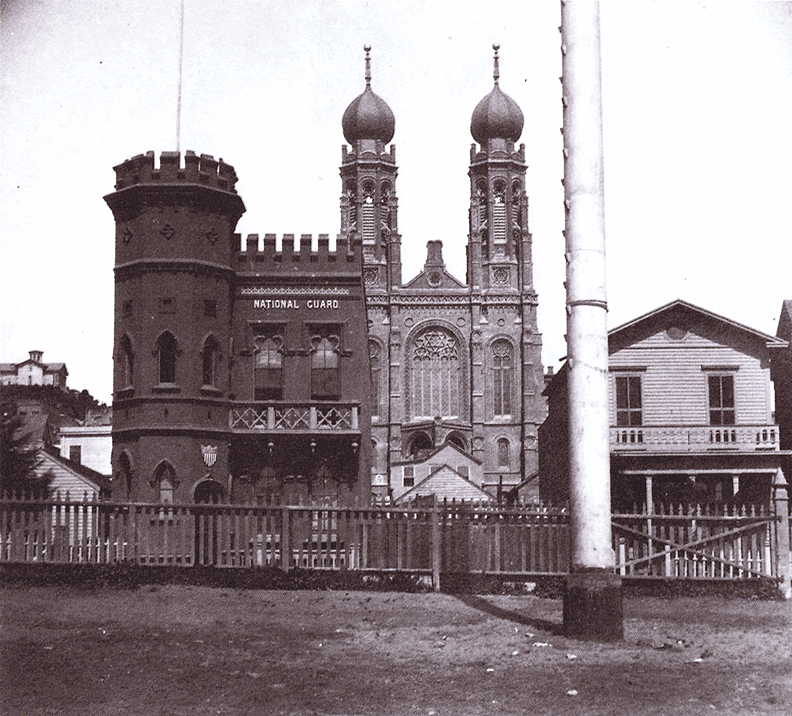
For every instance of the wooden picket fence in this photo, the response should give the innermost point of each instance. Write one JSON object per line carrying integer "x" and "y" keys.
{"x": 441, "y": 537}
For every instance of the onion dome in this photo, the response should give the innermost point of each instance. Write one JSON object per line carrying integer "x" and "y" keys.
{"x": 368, "y": 116}
{"x": 497, "y": 116}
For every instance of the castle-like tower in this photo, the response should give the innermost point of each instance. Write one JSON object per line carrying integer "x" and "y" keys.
{"x": 452, "y": 362}
{"x": 237, "y": 372}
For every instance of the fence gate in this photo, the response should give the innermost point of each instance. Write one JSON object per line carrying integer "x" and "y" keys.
{"x": 695, "y": 543}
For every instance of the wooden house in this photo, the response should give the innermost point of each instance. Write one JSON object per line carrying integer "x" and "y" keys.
{"x": 409, "y": 474}
{"x": 690, "y": 410}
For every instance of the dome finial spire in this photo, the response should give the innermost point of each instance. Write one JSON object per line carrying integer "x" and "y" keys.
{"x": 496, "y": 69}
{"x": 367, "y": 48}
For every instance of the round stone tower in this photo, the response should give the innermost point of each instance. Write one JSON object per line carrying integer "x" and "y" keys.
{"x": 174, "y": 280}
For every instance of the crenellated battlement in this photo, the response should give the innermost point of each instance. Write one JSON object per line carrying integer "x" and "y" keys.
{"x": 300, "y": 252}
{"x": 204, "y": 170}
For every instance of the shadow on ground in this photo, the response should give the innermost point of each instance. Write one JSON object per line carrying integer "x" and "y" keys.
{"x": 483, "y": 605}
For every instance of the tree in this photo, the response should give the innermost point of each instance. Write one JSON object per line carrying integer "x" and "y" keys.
{"x": 18, "y": 460}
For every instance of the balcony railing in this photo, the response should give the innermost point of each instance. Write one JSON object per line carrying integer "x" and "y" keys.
{"x": 294, "y": 417}
{"x": 695, "y": 438}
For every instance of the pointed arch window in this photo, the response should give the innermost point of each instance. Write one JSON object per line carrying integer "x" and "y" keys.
{"x": 127, "y": 363}
{"x": 269, "y": 367}
{"x": 325, "y": 383}
{"x": 210, "y": 356}
{"x": 375, "y": 365}
{"x": 125, "y": 473}
{"x": 436, "y": 374}
{"x": 167, "y": 350}
{"x": 502, "y": 371}
{"x": 499, "y": 213}
{"x": 165, "y": 479}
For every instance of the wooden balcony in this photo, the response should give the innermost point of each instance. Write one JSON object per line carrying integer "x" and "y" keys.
{"x": 695, "y": 438}
{"x": 294, "y": 418}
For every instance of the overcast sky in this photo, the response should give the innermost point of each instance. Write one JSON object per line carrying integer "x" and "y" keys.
{"x": 698, "y": 142}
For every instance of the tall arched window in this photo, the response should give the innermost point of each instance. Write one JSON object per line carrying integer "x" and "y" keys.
{"x": 436, "y": 374}
{"x": 127, "y": 363}
{"x": 325, "y": 384}
{"x": 269, "y": 368}
{"x": 165, "y": 479}
{"x": 209, "y": 359}
{"x": 376, "y": 378}
{"x": 503, "y": 452}
{"x": 125, "y": 473}
{"x": 502, "y": 370}
{"x": 166, "y": 358}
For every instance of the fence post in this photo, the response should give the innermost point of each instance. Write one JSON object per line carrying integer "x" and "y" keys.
{"x": 781, "y": 514}
{"x": 285, "y": 539}
{"x": 436, "y": 544}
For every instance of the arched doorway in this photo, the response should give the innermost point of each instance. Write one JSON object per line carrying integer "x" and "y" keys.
{"x": 209, "y": 492}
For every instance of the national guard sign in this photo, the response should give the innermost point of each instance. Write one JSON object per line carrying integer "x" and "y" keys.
{"x": 209, "y": 453}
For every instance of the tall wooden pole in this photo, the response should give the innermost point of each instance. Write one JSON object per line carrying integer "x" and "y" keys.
{"x": 592, "y": 602}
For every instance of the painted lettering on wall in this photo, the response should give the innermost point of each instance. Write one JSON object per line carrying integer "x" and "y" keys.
{"x": 312, "y": 303}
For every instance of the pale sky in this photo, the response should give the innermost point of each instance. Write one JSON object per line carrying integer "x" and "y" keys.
{"x": 698, "y": 142}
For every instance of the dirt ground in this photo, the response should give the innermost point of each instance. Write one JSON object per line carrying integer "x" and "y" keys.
{"x": 199, "y": 650}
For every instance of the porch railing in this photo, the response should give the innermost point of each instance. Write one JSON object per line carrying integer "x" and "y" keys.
{"x": 695, "y": 438}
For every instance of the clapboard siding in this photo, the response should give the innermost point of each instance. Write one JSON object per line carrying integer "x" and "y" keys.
{"x": 674, "y": 386}
{"x": 65, "y": 480}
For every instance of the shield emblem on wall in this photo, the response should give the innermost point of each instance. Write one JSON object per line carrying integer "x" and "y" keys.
{"x": 209, "y": 453}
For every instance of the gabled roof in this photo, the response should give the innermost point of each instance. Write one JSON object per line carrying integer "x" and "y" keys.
{"x": 446, "y": 482}
{"x": 434, "y": 274}
{"x": 431, "y": 454}
{"x": 679, "y": 305}
{"x": 88, "y": 479}
{"x": 684, "y": 306}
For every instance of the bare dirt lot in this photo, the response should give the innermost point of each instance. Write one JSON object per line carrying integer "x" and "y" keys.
{"x": 199, "y": 650}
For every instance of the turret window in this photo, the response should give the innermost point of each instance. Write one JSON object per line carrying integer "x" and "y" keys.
{"x": 166, "y": 484}
{"x": 166, "y": 358}
{"x": 127, "y": 363}
{"x": 499, "y": 213}
{"x": 209, "y": 358}
{"x": 368, "y": 228}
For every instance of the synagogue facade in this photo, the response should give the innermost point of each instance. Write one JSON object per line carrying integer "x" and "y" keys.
{"x": 451, "y": 361}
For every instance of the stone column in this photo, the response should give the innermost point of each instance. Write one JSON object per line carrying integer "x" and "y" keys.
{"x": 593, "y": 598}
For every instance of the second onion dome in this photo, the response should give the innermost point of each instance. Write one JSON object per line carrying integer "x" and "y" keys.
{"x": 497, "y": 116}
{"x": 368, "y": 115}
